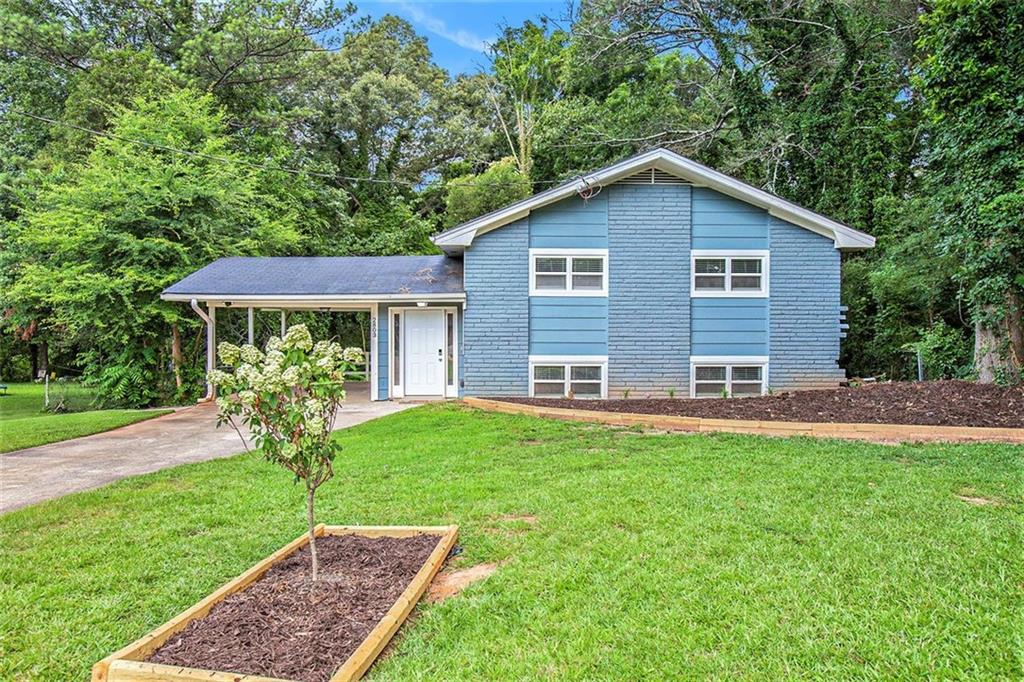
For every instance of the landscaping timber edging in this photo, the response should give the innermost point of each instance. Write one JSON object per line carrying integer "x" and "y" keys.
{"x": 129, "y": 664}
{"x": 865, "y": 432}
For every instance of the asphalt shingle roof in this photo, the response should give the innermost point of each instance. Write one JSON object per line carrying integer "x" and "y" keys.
{"x": 324, "y": 276}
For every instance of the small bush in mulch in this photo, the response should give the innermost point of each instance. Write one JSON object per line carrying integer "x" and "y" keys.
{"x": 934, "y": 403}
{"x": 285, "y": 626}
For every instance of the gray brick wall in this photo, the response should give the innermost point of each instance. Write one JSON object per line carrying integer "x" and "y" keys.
{"x": 496, "y": 326}
{"x": 804, "y": 309}
{"x": 649, "y": 289}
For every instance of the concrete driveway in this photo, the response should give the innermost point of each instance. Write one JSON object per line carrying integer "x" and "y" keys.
{"x": 187, "y": 435}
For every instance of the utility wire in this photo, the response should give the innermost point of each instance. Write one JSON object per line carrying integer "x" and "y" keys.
{"x": 251, "y": 164}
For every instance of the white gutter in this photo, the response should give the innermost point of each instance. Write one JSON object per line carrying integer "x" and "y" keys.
{"x": 241, "y": 299}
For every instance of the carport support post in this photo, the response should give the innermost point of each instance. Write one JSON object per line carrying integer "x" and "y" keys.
{"x": 211, "y": 348}
{"x": 284, "y": 322}
{"x": 250, "y": 321}
{"x": 210, "y": 318}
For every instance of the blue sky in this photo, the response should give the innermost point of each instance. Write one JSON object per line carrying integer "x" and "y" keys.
{"x": 458, "y": 32}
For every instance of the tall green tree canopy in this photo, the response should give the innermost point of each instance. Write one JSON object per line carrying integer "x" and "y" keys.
{"x": 98, "y": 244}
{"x": 973, "y": 82}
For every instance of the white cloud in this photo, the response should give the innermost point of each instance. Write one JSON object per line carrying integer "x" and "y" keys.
{"x": 460, "y": 37}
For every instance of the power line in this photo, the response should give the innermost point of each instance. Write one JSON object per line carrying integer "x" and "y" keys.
{"x": 251, "y": 164}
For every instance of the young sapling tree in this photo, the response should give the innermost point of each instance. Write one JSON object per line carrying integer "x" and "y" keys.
{"x": 288, "y": 398}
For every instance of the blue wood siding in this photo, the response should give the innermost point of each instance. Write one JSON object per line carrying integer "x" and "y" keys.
{"x": 496, "y": 337}
{"x": 383, "y": 351}
{"x": 729, "y": 326}
{"x": 571, "y": 223}
{"x": 804, "y": 309}
{"x": 649, "y": 326}
{"x": 721, "y": 222}
{"x": 569, "y": 325}
{"x": 649, "y": 289}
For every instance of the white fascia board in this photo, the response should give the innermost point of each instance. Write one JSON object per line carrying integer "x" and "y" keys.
{"x": 843, "y": 236}
{"x": 319, "y": 299}
{"x": 571, "y": 359}
{"x": 728, "y": 359}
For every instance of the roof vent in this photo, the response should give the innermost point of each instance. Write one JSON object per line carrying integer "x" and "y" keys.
{"x": 652, "y": 176}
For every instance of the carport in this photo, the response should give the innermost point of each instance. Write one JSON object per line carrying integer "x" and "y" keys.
{"x": 417, "y": 300}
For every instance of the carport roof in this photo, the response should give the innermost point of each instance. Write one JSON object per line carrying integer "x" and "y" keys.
{"x": 323, "y": 277}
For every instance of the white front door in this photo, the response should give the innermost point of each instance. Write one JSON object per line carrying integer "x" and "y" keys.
{"x": 424, "y": 352}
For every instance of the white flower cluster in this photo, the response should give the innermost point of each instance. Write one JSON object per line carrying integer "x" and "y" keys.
{"x": 298, "y": 338}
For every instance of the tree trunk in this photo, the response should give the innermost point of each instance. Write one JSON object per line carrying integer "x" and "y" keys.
{"x": 34, "y": 354}
{"x": 999, "y": 347}
{"x": 176, "y": 358}
{"x": 44, "y": 357}
{"x": 312, "y": 535}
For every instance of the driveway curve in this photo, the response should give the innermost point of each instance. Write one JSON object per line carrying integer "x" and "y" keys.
{"x": 186, "y": 435}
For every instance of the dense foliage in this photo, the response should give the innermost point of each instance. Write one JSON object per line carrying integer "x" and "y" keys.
{"x": 140, "y": 141}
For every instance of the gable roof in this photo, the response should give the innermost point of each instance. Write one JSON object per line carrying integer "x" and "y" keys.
{"x": 845, "y": 237}
{"x": 322, "y": 277}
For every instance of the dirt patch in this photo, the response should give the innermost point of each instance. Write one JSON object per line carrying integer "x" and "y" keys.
{"x": 932, "y": 403}
{"x": 977, "y": 500}
{"x": 525, "y": 518}
{"x": 449, "y": 584}
{"x": 277, "y": 628}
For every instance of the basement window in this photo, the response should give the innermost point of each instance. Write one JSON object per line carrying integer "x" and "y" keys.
{"x": 553, "y": 378}
{"x": 728, "y": 380}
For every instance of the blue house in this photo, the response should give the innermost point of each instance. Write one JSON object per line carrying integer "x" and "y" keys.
{"x": 654, "y": 276}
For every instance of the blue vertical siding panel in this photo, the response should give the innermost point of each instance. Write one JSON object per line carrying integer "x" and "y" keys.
{"x": 496, "y": 329}
{"x": 383, "y": 351}
{"x": 804, "y": 315}
{"x": 649, "y": 228}
{"x": 721, "y": 222}
{"x": 571, "y": 223}
{"x": 461, "y": 314}
{"x": 568, "y": 325}
{"x": 729, "y": 326}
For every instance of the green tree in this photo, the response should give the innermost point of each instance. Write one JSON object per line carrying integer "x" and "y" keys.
{"x": 973, "y": 80}
{"x": 472, "y": 195}
{"x": 99, "y": 243}
{"x": 525, "y": 64}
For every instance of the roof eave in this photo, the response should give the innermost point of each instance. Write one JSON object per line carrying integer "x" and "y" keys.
{"x": 455, "y": 240}
{"x": 322, "y": 299}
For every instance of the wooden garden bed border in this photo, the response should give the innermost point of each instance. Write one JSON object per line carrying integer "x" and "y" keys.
{"x": 129, "y": 665}
{"x": 866, "y": 432}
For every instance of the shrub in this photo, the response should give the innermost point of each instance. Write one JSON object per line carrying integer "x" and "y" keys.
{"x": 288, "y": 397}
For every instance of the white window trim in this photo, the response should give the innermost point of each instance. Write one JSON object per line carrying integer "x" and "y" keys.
{"x": 728, "y": 361}
{"x": 568, "y": 361}
{"x": 568, "y": 254}
{"x": 450, "y": 390}
{"x": 728, "y": 255}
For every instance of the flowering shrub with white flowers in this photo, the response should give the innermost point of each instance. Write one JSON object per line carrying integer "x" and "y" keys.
{"x": 288, "y": 396}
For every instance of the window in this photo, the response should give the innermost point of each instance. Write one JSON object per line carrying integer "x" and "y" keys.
{"x": 741, "y": 380}
{"x": 571, "y": 377}
{"x": 396, "y": 351}
{"x": 449, "y": 318}
{"x": 568, "y": 272}
{"x": 736, "y": 273}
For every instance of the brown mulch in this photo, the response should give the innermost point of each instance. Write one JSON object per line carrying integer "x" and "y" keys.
{"x": 934, "y": 403}
{"x": 277, "y": 628}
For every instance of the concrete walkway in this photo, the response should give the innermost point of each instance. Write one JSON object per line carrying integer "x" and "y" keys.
{"x": 187, "y": 435}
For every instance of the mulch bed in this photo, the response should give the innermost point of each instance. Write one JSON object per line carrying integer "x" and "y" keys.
{"x": 933, "y": 403}
{"x": 277, "y": 628}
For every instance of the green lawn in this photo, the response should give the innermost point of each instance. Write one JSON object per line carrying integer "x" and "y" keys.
{"x": 24, "y": 423}
{"x": 653, "y": 556}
